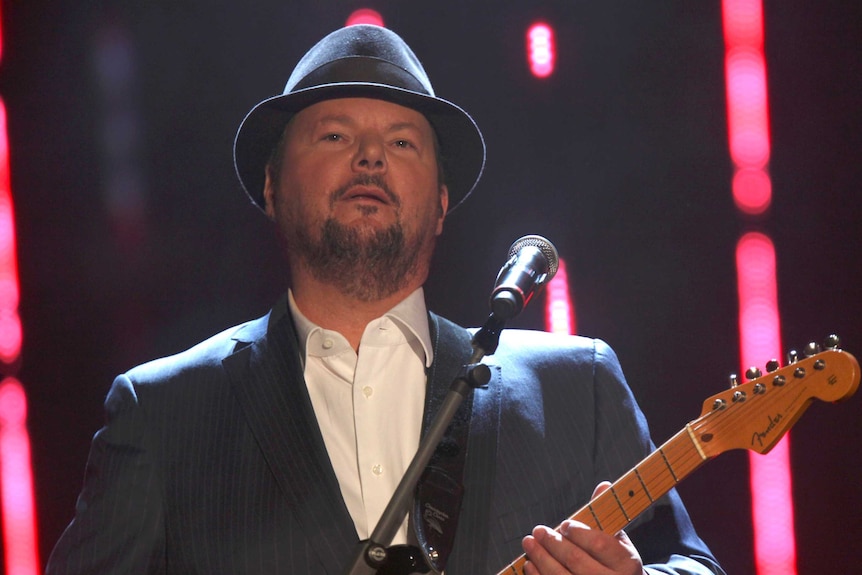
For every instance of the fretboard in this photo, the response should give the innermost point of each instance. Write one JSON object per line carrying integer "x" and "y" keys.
{"x": 635, "y": 491}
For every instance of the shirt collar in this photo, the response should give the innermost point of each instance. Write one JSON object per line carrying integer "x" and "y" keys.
{"x": 410, "y": 315}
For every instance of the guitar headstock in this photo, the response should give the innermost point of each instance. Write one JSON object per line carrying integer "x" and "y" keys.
{"x": 755, "y": 415}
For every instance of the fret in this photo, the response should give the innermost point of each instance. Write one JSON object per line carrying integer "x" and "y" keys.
{"x": 596, "y": 524}
{"x": 669, "y": 467}
{"x": 635, "y": 491}
{"x": 620, "y": 503}
{"x": 630, "y": 496}
{"x": 646, "y": 489}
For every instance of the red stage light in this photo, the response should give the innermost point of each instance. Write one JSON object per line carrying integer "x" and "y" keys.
{"x": 771, "y": 482}
{"x": 559, "y": 307}
{"x": 364, "y": 16}
{"x": 759, "y": 318}
{"x": 16, "y": 478}
{"x": 541, "y": 50}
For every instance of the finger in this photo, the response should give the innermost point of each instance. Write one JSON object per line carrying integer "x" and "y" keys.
{"x": 611, "y": 551}
{"x": 550, "y": 553}
{"x": 601, "y": 488}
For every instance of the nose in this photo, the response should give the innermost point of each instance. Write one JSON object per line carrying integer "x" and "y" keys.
{"x": 370, "y": 155}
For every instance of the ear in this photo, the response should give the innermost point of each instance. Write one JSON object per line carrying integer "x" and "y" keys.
{"x": 444, "y": 207}
{"x": 269, "y": 197}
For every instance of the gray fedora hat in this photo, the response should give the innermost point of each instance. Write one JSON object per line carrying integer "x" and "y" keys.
{"x": 361, "y": 61}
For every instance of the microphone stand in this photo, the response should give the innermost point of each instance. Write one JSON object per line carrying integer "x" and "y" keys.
{"x": 371, "y": 554}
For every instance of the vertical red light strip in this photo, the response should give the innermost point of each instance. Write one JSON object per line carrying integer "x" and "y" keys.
{"x": 541, "y": 50}
{"x": 747, "y": 107}
{"x": 10, "y": 324}
{"x": 16, "y": 481}
{"x": 559, "y": 307}
{"x": 17, "y": 504}
{"x": 771, "y": 483}
{"x": 759, "y": 318}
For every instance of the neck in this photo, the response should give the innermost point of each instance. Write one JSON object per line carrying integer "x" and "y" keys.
{"x": 327, "y": 306}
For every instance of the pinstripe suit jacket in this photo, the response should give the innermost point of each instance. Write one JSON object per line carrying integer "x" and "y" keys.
{"x": 211, "y": 461}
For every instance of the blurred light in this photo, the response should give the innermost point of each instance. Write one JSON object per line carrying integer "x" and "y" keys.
{"x": 772, "y": 510}
{"x": 752, "y": 190}
{"x": 10, "y": 323}
{"x": 747, "y": 104}
{"x": 364, "y": 16}
{"x": 759, "y": 319}
{"x": 16, "y": 479}
{"x": 125, "y": 193}
{"x": 559, "y": 308}
{"x": 760, "y": 341}
{"x": 10, "y": 337}
{"x": 17, "y": 504}
{"x": 747, "y": 108}
{"x": 743, "y": 22}
{"x": 541, "y": 50}
{"x": 758, "y": 299}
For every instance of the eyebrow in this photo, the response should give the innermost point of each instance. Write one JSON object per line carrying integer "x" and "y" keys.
{"x": 348, "y": 120}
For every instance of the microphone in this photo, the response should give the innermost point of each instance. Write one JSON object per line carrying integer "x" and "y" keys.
{"x": 533, "y": 261}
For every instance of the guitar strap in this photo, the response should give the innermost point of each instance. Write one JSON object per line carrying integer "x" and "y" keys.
{"x": 437, "y": 501}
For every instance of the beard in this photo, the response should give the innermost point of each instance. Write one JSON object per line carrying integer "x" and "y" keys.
{"x": 368, "y": 266}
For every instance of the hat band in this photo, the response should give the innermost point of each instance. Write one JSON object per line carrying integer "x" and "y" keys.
{"x": 361, "y": 69}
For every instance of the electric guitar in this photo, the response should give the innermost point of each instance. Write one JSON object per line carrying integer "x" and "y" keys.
{"x": 754, "y": 416}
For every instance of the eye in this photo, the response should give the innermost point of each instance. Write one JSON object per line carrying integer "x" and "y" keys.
{"x": 332, "y": 138}
{"x": 403, "y": 144}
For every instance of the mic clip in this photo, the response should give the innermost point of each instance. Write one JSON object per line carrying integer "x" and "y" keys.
{"x": 487, "y": 338}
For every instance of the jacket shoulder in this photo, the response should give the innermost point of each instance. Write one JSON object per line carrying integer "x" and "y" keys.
{"x": 524, "y": 344}
{"x": 206, "y": 355}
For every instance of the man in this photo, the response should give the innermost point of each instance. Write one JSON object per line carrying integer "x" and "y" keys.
{"x": 274, "y": 446}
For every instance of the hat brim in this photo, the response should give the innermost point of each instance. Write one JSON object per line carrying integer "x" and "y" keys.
{"x": 461, "y": 144}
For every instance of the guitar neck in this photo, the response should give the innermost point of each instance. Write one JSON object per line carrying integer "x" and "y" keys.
{"x": 635, "y": 491}
{"x": 751, "y": 416}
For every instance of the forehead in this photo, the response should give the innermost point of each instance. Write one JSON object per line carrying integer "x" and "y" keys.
{"x": 362, "y": 112}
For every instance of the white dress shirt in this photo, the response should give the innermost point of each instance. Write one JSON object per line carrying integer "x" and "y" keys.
{"x": 369, "y": 405}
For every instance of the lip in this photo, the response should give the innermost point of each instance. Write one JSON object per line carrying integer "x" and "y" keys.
{"x": 369, "y": 193}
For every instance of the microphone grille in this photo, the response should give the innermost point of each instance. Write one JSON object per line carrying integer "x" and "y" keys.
{"x": 544, "y": 246}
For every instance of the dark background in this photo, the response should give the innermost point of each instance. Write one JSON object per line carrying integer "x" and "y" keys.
{"x": 620, "y": 158}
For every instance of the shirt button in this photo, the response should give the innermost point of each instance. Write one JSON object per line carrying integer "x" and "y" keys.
{"x": 377, "y": 470}
{"x": 327, "y": 343}
{"x": 367, "y": 391}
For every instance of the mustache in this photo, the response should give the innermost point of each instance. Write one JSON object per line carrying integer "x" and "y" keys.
{"x": 374, "y": 180}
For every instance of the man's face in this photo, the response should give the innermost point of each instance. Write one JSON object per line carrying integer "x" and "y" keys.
{"x": 357, "y": 199}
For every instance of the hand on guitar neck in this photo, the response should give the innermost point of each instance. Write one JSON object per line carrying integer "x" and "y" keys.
{"x": 576, "y": 548}
{"x": 753, "y": 416}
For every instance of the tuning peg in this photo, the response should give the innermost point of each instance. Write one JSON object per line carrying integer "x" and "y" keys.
{"x": 772, "y": 365}
{"x": 811, "y": 349}
{"x": 753, "y": 372}
{"x": 733, "y": 379}
{"x": 832, "y": 341}
{"x": 792, "y": 356}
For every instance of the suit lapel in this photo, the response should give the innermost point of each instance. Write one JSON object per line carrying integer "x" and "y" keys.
{"x": 266, "y": 376}
{"x": 451, "y": 351}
